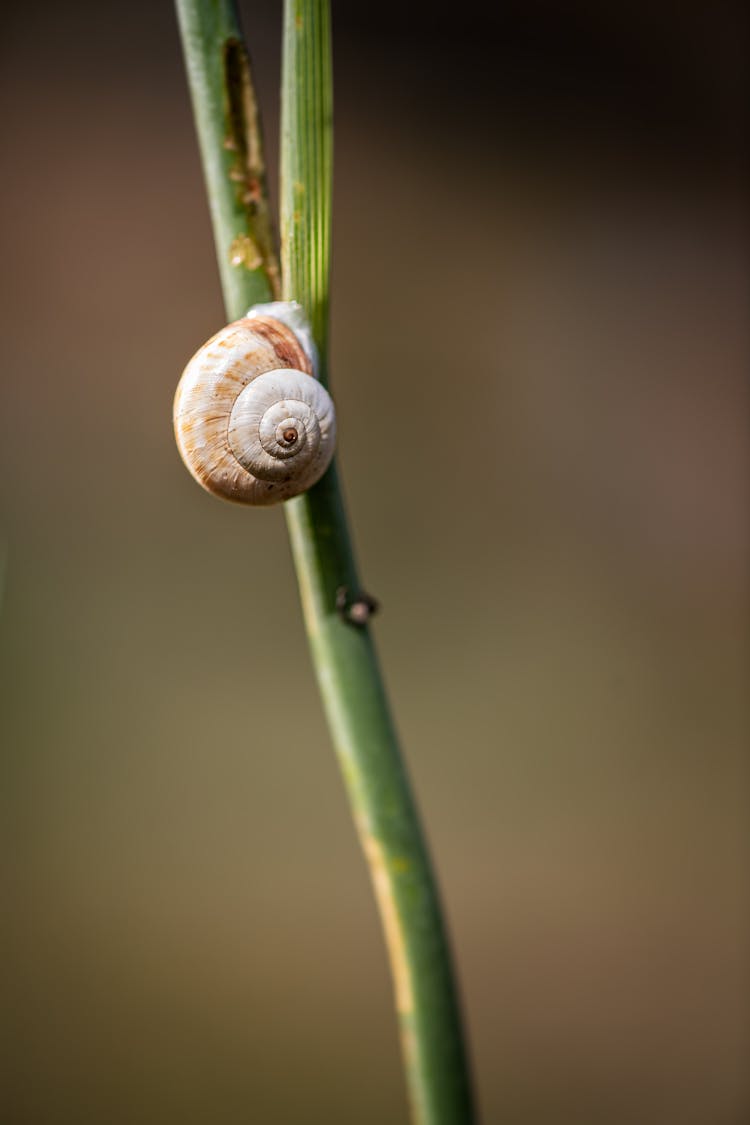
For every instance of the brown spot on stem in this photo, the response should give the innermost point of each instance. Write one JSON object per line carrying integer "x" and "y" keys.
{"x": 244, "y": 252}
{"x": 246, "y": 166}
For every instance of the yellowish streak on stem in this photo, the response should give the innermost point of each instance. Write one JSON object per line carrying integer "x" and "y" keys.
{"x": 391, "y": 923}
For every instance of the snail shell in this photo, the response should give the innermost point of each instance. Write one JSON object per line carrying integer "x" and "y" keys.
{"x": 252, "y": 422}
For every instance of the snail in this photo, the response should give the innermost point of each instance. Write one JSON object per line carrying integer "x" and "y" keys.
{"x": 252, "y": 422}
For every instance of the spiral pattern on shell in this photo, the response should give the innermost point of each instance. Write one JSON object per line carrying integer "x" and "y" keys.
{"x": 252, "y": 422}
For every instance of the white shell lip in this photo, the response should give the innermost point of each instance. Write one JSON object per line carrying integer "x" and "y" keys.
{"x": 293, "y": 316}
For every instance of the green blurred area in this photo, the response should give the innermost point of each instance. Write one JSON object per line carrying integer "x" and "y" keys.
{"x": 539, "y": 367}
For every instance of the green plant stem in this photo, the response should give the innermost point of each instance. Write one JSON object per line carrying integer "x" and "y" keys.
{"x": 343, "y": 654}
{"x": 228, "y": 125}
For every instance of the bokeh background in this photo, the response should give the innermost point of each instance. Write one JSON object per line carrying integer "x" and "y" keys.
{"x": 540, "y": 256}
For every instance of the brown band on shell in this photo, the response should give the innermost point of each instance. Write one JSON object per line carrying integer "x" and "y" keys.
{"x": 284, "y": 342}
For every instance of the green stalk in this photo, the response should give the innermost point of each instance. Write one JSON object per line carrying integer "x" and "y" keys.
{"x": 228, "y": 125}
{"x": 343, "y": 653}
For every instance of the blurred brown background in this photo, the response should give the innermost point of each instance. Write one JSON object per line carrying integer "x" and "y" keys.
{"x": 540, "y": 254}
